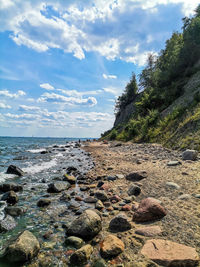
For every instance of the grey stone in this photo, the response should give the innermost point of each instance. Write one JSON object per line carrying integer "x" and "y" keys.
{"x": 101, "y": 195}
{"x": 43, "y": 202}
{"x": 82, "y": 255}
{"x": 15, "y": 211}
{"x": 86, "y": 226}
{"x": 173, "y": 163}
{"x": 184, "y": 197}
{"x": 172, "y": 185}
{"x": 12, "y": 169}
{"x": 120, "y": 223}
{"x": 10, "y": 187}
{"x": 136, "y": 176}
{"x": 10, "y": 197}
{"x": 74, "y": 241}
{"x": 134, "y": 190}
{"x": 58, "y": 187}
{"x": 189, "y": 155}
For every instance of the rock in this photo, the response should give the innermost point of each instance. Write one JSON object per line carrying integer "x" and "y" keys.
{"x": 14, "y": 211}
{"x": 184, "y": 197}
{"x": 167, "y": 253}
{"x": 120, "y": 223}
{"x": 44, "y": 152}
{"x": 43, "y": 202}
{"x": 86, "y": 226}
{"x": 99, "y": 263}
{"x": 71, "y": 169}
{"x": 90, "y": 200}
{"x": 136, "y": 176}
{"x": 111, "y": 246}
{"x": 197, "y": 195}
{"x": 101, "y": 195}
{"x": 119, "y": 176}
{"x": 99, "y": 205}
{"x": 12, "y": 169}
{"x": 134, "y": 190}
{"x": 126, "y": 207}
{"x": 10, "y": 187}
{"x": 23, "y": 249}
{"x": 100, "y": 183}
{"x": 70, "y": 179}
{"x": 10, "y": 197}
{"x": 82, "y": 255}
{"x": 111, "y": 178}
{"x": 172, "y": 185}
{"x": 116, "y": 198}
{"x": 149, "y": 231}
{"x": 78, "y": 198}
{"x": 58, "y": 187}
{"x": 65, "y": 197}
{"x": 74, "y": 241}
{"x": 149, "y": 209}
{"x": 189, "y": 155}
{"x": 173, "y": 163}
{"x": 7, "y": 224}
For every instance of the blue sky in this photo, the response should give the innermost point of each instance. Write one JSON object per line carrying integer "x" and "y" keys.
{"x": 63, "y": 63}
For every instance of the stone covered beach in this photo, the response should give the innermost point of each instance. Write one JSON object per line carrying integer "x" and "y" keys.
{"x": 138, "y": 206}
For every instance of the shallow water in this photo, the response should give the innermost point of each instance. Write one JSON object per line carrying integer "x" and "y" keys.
{"x": 40, "y": 170}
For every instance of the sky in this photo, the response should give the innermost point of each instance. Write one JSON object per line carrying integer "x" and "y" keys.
{"x": 63, "y": 63}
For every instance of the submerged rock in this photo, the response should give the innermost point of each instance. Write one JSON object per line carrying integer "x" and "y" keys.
{"x": 7, "y": 224}
{"x": 43, "y": 202}
{"x": 168, "y": 253}
{"x": 23, "y": 249}
{"x": 86, "y": 226}
{"x": 111, "y": 246}
{"x": 10, "y": 197}
{"x": 149, "y": 209}
{"x": 14, "y": 211}
{"x": 70, "y": 179}
{"x": 82, "y": 255}
{"x": 12, "y": 169}
{"x": 58, "y": 187}
{"x": 74, "y": 241}
{"x": 10, "y": 187}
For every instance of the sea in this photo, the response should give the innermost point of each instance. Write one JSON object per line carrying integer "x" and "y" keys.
{"x": 43, "y": 160}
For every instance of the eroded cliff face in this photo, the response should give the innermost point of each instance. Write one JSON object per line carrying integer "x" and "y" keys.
{"x": 125, "y": 114}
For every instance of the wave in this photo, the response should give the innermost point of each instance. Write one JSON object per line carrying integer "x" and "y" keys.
{"x": 36, "y": 150}
{"x": 32, "y": 169}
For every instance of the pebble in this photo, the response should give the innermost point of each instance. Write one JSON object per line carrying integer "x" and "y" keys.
{"x": 172, "y": 185}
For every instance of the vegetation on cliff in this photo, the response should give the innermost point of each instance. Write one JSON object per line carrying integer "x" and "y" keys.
{"x": 167, "y": 98}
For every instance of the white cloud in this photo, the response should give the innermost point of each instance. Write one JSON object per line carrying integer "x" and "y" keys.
{"x": 22, "y": 116}
{"x": 113, "y": 90}
{"x": 28, "y": 108}
{"x": 75, "y": 93}
{"x": 4, "y": 106}
{"x": 105, "y": 76}
{"x": 6, "y": 93}
{"x": 108, "y": 27}
{"x": 46, "y": 86}
{"x": 55, "y": 98}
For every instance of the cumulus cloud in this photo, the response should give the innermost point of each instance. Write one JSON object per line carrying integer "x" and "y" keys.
{"x": 22, "y": 116}
{"x": 104, "y": 26}
{"x": 4, "y": 106}
{"x": 75, "y": 93}
{"x": 6, "y": 93}
{"x": 55, "y": 98}
{"x": 106, "y": 77}
{"x": 112, "y": 90}
{"x": 46, "y": 86}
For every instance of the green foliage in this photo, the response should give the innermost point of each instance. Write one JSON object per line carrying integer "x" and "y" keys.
{"x": 113, "y": 134}
{"x": 128, "y": 95}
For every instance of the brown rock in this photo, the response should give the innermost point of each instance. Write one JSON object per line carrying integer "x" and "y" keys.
{"x": 149, "y": 209}
{"x": 81, "y": 255}
{"x": 126, "y": 207}
{"x": 149, "y": 231}
{"x": 167, "y": 253}
{"x": 111, "y": 246}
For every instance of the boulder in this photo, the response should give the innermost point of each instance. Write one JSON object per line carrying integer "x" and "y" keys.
{"x": 82, "y": 255}
{"x": 43, "y": 202}
{"x": 149, "y": 209}
{"x": 58, "y": 187}
{"x": 189, "y": 154}
{"x": 14, "y": 211}
{"x": 120, "y": 223}
{"x": 134, "y": 190}
{"x": 136, "y": 176}
{"x": 7, "y": 224}
{"x": 167, "y": 253}
{"x": 23, "y": 249}
{"x": 111, "y": 246}
{"x": 86, "y": 226}
{"x": 69, "y": 178}
{"x": 10, "y": 197}
{"x": 74, "y": 241}
{"x": 10, "y": 187}
{"x": 12, "y": 169}
{"x": 149, "y": 231}
{"x": 101, "y": 195}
